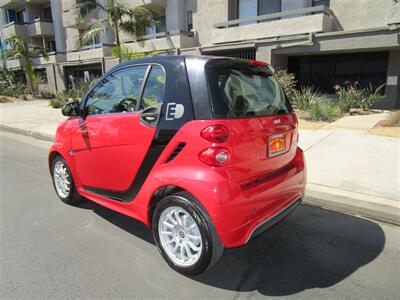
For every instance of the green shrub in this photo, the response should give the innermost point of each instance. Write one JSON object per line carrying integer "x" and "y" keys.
{"x": 353, "y": 96}
{"x": 347, "y": 98}
{"x": 371, "y": 97}
{"x": 57, "y": 102}
{"x": 46, "y": 94}
{"x": 287, "y": 82}
{"x": 303, "y": 99}
{"x": 13, "y": 90}
{"x": 394, "y": 119}
{"x": 9, "y": 85}
{"x": 127, "y": 53}
{"x": 324, "y": 110}
{"x": 72, "y": 94}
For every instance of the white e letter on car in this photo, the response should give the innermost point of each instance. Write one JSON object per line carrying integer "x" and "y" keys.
{"x": 174, "y": 111}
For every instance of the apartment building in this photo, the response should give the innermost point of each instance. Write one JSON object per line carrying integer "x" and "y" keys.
{"x": 324, "y": 42}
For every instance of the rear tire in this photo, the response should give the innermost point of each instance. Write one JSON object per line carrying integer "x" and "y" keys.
{"x": 185, "y": 235}
{"x": 63, "y": 182}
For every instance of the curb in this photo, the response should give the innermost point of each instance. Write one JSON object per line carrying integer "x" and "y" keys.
{"x": 28, "y": 132}
{"x": 364, "y": 205}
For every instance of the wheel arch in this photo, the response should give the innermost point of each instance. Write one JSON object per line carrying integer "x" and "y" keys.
{"x": 52, "y": 155}
{"x": 159, "y": 194}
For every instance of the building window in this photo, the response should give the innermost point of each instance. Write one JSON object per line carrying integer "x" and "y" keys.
{"x": 157, "y": 28}
{"x": 74, "y": 75}
{"x": 266, "y": 7}
{"x": 10, "y": 16}
{"x": 249, "y": 53}
{"x": 321, "y": 2}
{"x": 21, "y": 16}
{"x": 247, "y": 9}
{"x": 41, "y": 76}
{"x": 95, "y": 40}
{"x": 254, "y": 8}
{"x": 189, "y": 20}
{"x": 326, "y": 71}
{"x": 51, "y": 46}
{"x": 47, "y": 14}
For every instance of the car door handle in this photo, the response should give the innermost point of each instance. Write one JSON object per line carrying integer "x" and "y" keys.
{"x": 149, "y": 117}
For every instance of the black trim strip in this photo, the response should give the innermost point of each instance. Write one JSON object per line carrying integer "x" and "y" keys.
{"x": 267, "y": 224}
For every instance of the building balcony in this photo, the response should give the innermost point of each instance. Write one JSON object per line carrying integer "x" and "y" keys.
{"x": 13, "y": 63}
{"x": 52, "y": 58}
{"x": 293, "y": 22}
{"x": 12, "y": 4}
{"x": 40, "y": 28}
{"x": 11, "y": 29}
{"x": 92, "y": 52}
{"x": 164, "y": 41}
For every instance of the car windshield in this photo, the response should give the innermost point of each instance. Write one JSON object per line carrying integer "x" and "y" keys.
{"x": 241, "y": 89}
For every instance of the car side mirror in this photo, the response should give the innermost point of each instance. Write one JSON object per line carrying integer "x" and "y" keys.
{"x": 70, "y": 109}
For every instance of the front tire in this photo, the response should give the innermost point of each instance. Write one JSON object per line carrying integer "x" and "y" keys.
{"x": 63, "y": 182}
{"x": 185, "y": 235}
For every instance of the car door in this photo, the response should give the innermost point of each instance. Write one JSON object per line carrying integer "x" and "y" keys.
{"x": 111, "y": 141}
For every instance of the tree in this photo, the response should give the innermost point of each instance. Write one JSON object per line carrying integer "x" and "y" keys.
{"x": 126, "y": 53}
{"x": 20, "y": 49}
{"x": 115, "y": 15}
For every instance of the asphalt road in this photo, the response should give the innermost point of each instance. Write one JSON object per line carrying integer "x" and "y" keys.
{"x": 50, "y": 250}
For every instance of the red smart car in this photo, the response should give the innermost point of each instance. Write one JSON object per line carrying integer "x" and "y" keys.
{"x": 203, "y": 150}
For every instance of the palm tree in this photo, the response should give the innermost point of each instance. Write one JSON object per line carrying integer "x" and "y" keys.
{"x": 20, "y": 49}
{"x": 115, "y": 15}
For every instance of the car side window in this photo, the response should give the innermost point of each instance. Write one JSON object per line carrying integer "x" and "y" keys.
{"x": 118, "y": 92}
{"x": 154, "y": 89}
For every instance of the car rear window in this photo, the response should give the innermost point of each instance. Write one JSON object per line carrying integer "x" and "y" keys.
{"x": 241, "y": 89}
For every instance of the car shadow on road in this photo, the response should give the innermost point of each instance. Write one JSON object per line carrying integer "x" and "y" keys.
{"x": 124, "y": 222}
{"x": 312, "y": 248}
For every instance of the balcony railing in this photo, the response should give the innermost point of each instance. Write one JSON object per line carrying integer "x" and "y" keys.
{"x": 280, "y": 15}
{"x": 40, "y": 27}
{"x": 294, "y": 22}
{"x": 162, "y": 41}
{"x": 36, "y": 27}
{"x": 14, "y": 28}
{"x": 89, "y": 52}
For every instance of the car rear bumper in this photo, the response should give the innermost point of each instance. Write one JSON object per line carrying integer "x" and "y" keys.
{"x": 251, "y": 211}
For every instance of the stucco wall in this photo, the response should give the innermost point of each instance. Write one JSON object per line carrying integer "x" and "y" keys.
{"x": 361, "y": 14}
{"x": 205, "y": 14}
{"x": 300, "y": 25}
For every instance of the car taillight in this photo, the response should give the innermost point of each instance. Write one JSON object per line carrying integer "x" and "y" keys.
{"x": 215, "y": 133}
{"x": 215, "y": 156}
{"x": 258, "y": 63}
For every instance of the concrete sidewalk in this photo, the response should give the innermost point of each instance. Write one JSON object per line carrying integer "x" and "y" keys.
{"x": 353, "y": 172}
{"x": 348, "y": 170}
{"x": 34, "y": 118}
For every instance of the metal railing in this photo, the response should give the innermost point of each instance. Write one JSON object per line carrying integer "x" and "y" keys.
{"x": 271, "y": 17}
{"x": 36, "y": 20}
